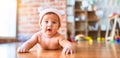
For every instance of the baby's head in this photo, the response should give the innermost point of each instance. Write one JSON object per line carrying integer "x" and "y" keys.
{"x": 49, "y": 21}
{"x": 46, "y": 11}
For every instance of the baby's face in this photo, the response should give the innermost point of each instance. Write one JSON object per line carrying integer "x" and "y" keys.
{"x": 50, "y": 24}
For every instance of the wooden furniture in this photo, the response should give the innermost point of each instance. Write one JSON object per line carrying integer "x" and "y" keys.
{"x": 84, "y": 50}
{"x": 115, "y": 28}
{"x": 8, "y": 40}
{"x": 86, "y": 22}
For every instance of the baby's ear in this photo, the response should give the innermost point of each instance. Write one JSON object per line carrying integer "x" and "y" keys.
{"x": 40, "y": 27}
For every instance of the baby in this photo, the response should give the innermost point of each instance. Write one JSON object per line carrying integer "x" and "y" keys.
{"x": 48, "y": 37}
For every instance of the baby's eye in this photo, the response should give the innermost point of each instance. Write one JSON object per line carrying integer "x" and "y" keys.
{"x": 46, "y": 21}
{"x": 54, "y": 22}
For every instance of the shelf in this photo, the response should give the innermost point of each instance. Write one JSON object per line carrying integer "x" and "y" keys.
{"x": 87, "y": 29}
{"x": 79, "y": 10}
{"x": 80, "y": 21}
{"x": 92, "y": 16}
{"x": 78, "y": 30}
{"x": 89, "y": 21}
{"x": 84, "y": 21}
{"x": 78, "y": 0}
{"x": 78, "y": 4}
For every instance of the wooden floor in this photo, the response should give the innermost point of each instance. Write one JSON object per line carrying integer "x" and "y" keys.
{"x": 84, "y": 50}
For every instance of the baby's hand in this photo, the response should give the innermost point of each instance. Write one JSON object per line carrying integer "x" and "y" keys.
{"x": 68, "y": 50}
{"x": 22, "y": 50}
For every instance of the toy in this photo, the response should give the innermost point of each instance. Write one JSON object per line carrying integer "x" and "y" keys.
{"x": 117, "y": 38}
{"x": 114, "y": 18}
{"x": 99, "y": 39}
{"x": 89, "y": 39}
{"x": 108, "y": 38}
{"x": 70, "y": 37}
{"x": 118, "y": 41}
{"x": 79, "y": 37}
{"x": 112, "y": 41}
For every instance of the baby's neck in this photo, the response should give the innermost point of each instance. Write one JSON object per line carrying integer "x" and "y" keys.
{"x": 50, "y": 36}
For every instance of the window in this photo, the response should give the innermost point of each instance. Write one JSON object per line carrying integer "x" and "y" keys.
{"x": 8, "y": 10}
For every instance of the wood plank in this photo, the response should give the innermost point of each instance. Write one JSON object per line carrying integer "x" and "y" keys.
{"x": 84, "y": 50}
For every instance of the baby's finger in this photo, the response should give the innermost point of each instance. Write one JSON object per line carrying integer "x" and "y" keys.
{"x": 19, "y": 50}
{"x": 71, "y": 51}
{"x": 64, "y": 50}
{"x": 67, "y": 51}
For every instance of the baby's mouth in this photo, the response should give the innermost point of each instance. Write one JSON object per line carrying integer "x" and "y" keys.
{"x": 49, "y": 30}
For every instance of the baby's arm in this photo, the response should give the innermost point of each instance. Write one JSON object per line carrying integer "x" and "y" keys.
{"x": 68, "y": 47}
{"x": 28, "y": 44}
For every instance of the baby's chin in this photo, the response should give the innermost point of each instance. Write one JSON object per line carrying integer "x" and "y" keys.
{"x": 49, "y": 34}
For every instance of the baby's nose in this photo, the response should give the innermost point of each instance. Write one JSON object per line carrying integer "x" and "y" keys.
{"x": 49, "y": 24}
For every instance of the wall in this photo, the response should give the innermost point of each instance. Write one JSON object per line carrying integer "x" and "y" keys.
{"x": 108, "y": 7}
{"x": 28, "y": 16}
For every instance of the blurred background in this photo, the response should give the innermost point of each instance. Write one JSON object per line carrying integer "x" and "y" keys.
{"x": 19, "y": 18}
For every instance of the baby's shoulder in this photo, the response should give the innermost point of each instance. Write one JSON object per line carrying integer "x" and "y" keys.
{"x": 37, "y": 34}
{"x": 60, "y": 36}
